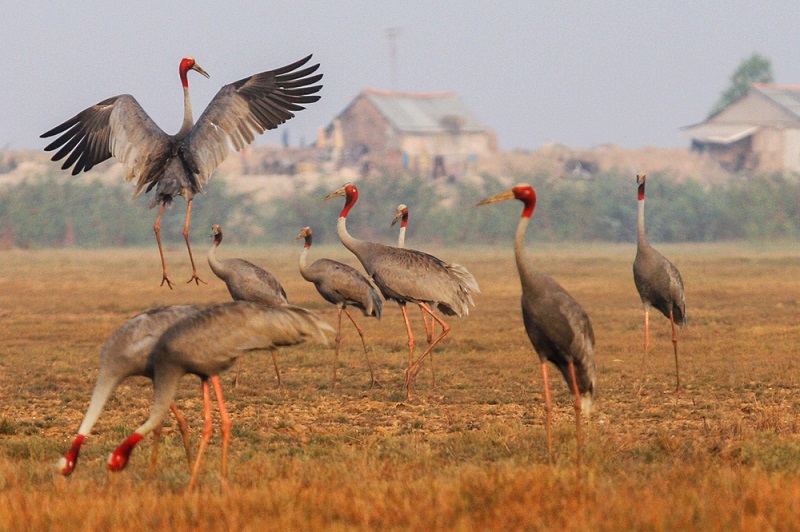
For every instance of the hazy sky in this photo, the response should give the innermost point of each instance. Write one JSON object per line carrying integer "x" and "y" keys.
{"x": 579, "y": 73}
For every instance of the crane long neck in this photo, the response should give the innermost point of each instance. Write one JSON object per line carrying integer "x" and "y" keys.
{"x": 519, "y": 245}
{"x": 188, "y": 120}
{"x": 348, "y": 241}
{"x": 304, "y": 258}
{"x": 640, "y": 233}
{"x": 215, "y": 264}
{"x": 401, "y": 237}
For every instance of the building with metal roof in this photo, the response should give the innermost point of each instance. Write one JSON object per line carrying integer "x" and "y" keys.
{"x": 431, "y": 133}
{"x": 759, "y": 132}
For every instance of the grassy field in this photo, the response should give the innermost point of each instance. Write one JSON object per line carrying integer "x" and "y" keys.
{"x": 470, "y": 453}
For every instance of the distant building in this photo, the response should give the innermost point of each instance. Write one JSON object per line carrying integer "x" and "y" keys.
{"x": 759, "y": 132}
{"x": 431, "y": 134}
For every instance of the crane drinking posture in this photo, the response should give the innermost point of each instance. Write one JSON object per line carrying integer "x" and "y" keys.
{"x": 247, "y": 282}
{"x": 557, "y": 325}
{"x": 181, "y": 164}
{"x": 206, "y": 344}
{"x": 341, "y": 285}
{"x": 125, "y": 354}
{"x": 408, "y": 275}
{"x": 659, "y": 284}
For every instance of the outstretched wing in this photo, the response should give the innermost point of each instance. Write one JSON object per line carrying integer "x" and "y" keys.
{"x": 246, "y": 108}
{"x": 117, "y": 126}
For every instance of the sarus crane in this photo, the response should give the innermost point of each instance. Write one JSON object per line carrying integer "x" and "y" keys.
{"x": 125, "y": 354}
{"x": 557, "y": 325}
{"x": 410, "y": 276}
{"x": 181, "y": 164}
{"x": 659, "y": 284}
{"x": 206, "y": 344}
{"x": 246, "y": 282}
{"x": 343, "y": 286}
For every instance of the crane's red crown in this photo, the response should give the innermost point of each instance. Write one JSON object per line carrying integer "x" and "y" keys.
{"x": 640, "y": 178}
{"x": 187, "y": 64}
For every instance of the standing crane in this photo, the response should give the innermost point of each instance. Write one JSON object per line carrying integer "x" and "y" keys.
{"x": 125, "y": 354}
{"x": 557, "y": 325}
{"x": 408, "y": 275}
{"x": 206, "y": 344}
{"x": 181, "y": 164}
{"x": 247, "y": 282}
{"x": 341, "y": 285}
{"x": 401, "y": 215}
{"x": 659, "y": 284}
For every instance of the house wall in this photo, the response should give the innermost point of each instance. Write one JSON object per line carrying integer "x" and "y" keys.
{"x": 791, "y": 150}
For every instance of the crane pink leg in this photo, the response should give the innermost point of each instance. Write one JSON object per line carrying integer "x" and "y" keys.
{"x": 208, "y": 429}
{"x": 225, "y": 426}
{"x": 410, "y": 350}
{"x": 338, "y": 344}
{"x": 277, "y": 370}
{"x": 373, "y": 381}
{"x": 548, "y": 408}
{"x": 574, "y": 383}
{"x": 154, "y": 453}
{"x": 678, "y": 388}
{"x": 157, "y": 229}
{"x": 414, "y": 369}
{"x": 195, "y": 276}
{"x": 183, "y": 426}
{"x": 428, "y": 326}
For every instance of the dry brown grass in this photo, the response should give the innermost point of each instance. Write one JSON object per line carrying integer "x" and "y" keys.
{"x": 471, "y": 454}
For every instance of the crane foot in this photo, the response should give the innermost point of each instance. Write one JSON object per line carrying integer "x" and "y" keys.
{"x": 196, "y": 278}
{"x": 165, "y": 279}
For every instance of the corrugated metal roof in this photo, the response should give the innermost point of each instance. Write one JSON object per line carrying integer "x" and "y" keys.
{"x": 425, "y": 112}
{"x": 787, "y": 96}
{"x": 719, "y": 133}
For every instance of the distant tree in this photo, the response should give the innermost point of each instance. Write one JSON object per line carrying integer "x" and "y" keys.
{"x": 754, "y": 69}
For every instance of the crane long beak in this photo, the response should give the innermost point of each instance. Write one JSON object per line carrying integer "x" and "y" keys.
{"x": 302, "y": 235}
{"x": 340, "y": 192}
{"x": 507, "y": 195}
{"x": 397, "y": 218}
{"x": 197, "y": 68}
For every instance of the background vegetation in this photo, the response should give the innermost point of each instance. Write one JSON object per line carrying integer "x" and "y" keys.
{"x": 57, "y": 212}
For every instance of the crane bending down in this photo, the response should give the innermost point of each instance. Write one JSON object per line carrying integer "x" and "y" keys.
{"x": 247, "y": 282}
{"x": 659, "y": 284}
{"x": 181, "y": 164}
{"x": 341, "y": 285}
{"x": 401, "y": 215}
{"x": 557, "y": 325}
{"x": 125, "y": 354}
{"x": 408, "y": 275}
{"x": 206, "y": 344}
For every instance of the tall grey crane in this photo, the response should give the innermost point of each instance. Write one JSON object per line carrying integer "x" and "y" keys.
{"x": 125, "y": 354}
{"x": 247, "y": 282}
{"x": 181, "y": 164}
{"x": 659, "y": 284}
{"x": 408, "y": 275}
{"x": 557, "y": 325}
{"x": 401, "y": 215}
{"x": 206, "y": 344}
{"x": 341, "y": 285}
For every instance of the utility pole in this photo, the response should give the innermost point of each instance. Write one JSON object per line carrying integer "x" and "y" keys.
{"x": 392, "y": 34}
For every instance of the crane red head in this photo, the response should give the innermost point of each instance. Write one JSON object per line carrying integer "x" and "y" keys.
{"x": 68, "y": 461}
{"x": 401, "y": 216}
{"x": 119, "y": 458}
{"x": 306, "y": 234}
{"x": 187, "y": 64}
{"x": 522, "y": 192}
{"x": 640, "y": 181}
{"x": 350, "y": 193}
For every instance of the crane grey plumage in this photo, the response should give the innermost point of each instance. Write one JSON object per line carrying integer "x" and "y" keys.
{"x": 343, "y": 286}
{"x": 658, "y": 282}
{"x": 182, "y": 164}
{"x": 125, "y": 354}
{"x": 206, "y": 344}
{"x": 557, "y": 326}
{"x": 247, "y": 282}
{"x": 410, "y": 276}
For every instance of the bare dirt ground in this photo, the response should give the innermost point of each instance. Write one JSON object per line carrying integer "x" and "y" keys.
{"x": 470, "y": 453}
